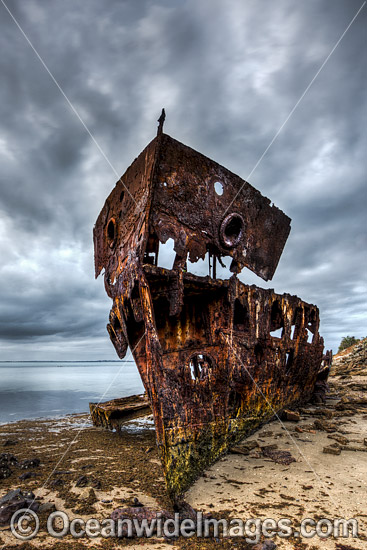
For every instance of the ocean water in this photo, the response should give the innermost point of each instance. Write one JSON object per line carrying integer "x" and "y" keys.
{"x": 50, "y": 389}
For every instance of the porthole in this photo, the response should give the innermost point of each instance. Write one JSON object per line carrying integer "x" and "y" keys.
{"x": 232, "y": 230}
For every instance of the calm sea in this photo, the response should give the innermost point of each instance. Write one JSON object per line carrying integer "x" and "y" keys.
{"x": 47, "y": 389}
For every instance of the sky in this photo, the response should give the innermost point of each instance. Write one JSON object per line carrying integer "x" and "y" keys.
{"x": 229, "y": 73}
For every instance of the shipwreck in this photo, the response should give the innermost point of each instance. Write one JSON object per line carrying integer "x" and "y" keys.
{"x": 217, "y": 358}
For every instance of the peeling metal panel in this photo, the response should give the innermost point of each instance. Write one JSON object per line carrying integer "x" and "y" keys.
{"x": 188, "y": 209}
{"x": 217, "y": 357}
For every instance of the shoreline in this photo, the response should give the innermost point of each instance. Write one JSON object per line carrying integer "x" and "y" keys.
{"x": 42, "y": 418}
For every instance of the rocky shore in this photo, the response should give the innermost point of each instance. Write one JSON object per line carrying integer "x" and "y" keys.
{"x": 311, "y": 464}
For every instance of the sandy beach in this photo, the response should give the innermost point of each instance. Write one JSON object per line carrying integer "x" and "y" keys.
{"x": 88, "y": 472}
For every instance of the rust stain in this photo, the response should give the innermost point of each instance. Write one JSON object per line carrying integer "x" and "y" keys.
{"x": 217, "y": 358}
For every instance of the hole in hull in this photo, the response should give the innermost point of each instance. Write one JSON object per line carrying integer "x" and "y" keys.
{"x": 200, "y": 268}
{"x": 166, "y": 255}
{"x": 276, "y": 320}
{"x": 218, "y": 187}
{"x": 200, "y": 365}
{"x": 151, "y": 250}
{"x": 276, "y": 333}
{"x": 289, "y": 358}
{"x": 240, "y": 316}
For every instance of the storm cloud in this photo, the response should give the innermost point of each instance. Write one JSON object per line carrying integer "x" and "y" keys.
{"x": 228, "y": 74}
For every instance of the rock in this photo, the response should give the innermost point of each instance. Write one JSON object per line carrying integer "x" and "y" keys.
{"x": 29, "y": 495}
{"x": 266, "y": 434}
{"x": 267, "y": 448}
{"x": 27, "y": 475}
{"x": 16, "y": 493}
{"x": 325, "y": 426}
{"x": 256, "y": 454}
{"x": 7, "y": 459}
{"x": 332, "y": 450}
{"x": 365, "y": 441}
{"x": 47, "y": 507}
{"x": 299, "y": 430}
{"x": 244, "y": 448}
{"x": 5, "y": 472}
{"x": 250, "y": 445}
{"x": 309, "y": 412}
{"x": 281, "y": 457}
{"x": 354, "y": 448}
{"x": 82, "y": 481}
{"x": 13, "y": 501}
{"x": 339, "y": 438}
{"x": 30, "y": 463}
{"x": 291, "y": 416}
{"x": 328, "y": 413}
{"x": 237, "y": 450}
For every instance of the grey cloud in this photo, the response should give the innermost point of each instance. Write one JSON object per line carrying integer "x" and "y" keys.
{"x": 228, "y": 74}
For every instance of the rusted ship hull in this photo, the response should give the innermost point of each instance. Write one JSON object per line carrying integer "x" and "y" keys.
{"x": 215, "y": 373}
{"x": 212, "y": 369}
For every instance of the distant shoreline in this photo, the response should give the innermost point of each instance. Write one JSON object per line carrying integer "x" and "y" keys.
{"x": 70, "y": 361}
{"x": 61, "y": 416}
